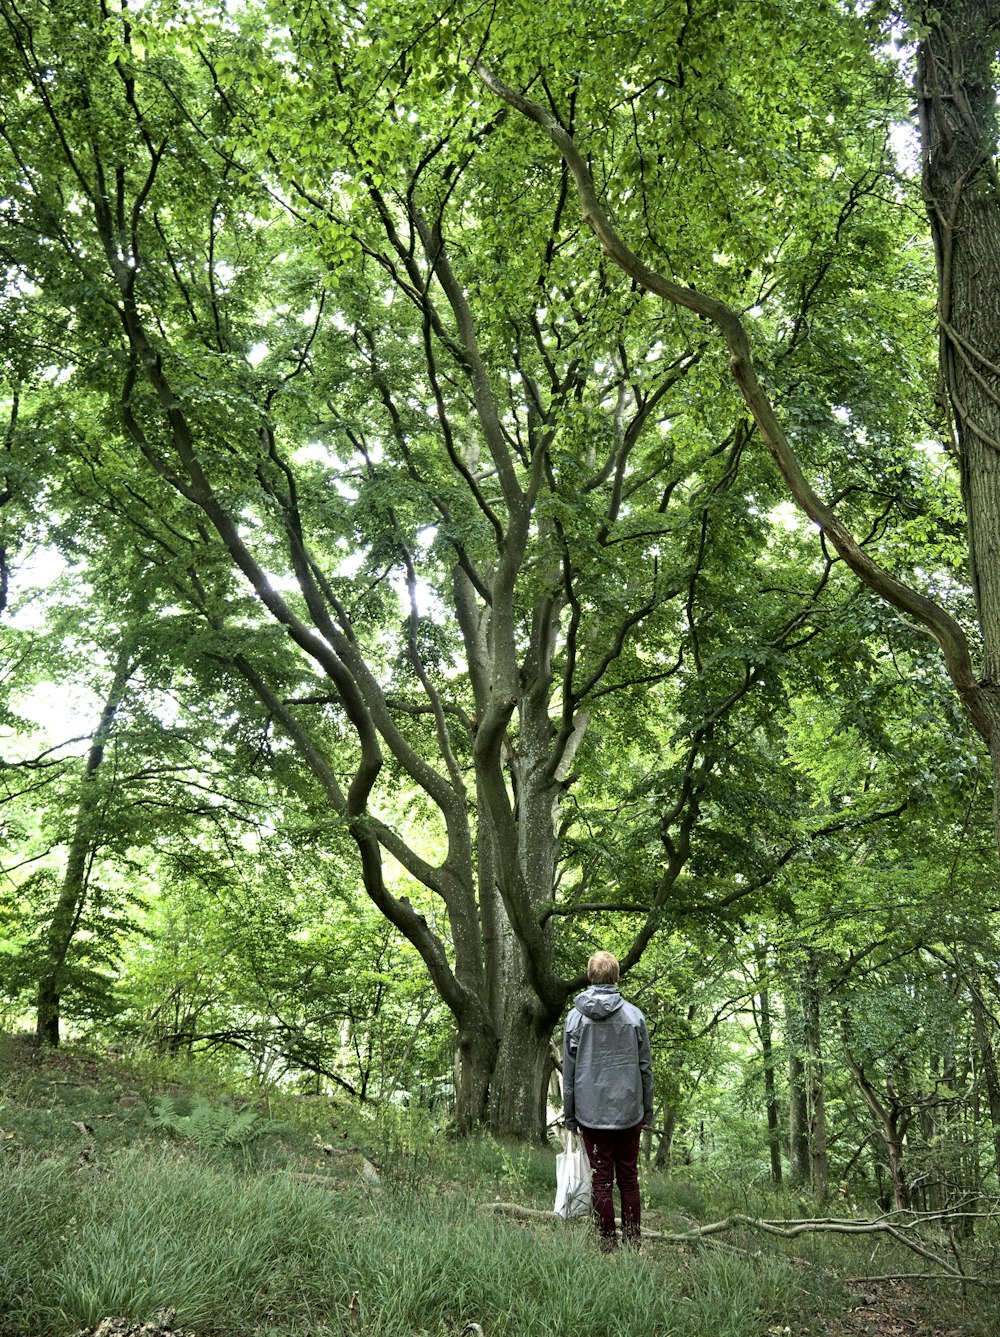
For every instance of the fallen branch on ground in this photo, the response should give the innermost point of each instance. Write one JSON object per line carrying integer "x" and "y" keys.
{"x": 785, "y": 1229}
{"x": 915, "y": 1276}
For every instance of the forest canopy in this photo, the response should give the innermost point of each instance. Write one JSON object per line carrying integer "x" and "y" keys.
{"x": 476, "y": 485}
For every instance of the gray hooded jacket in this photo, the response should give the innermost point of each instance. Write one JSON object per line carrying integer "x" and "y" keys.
{"x": 607, "y": 1067}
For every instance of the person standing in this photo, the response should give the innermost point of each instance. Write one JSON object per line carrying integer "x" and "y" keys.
{"x": 608, "y": 1094}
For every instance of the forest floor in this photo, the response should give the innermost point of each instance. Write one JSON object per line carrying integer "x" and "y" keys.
{"x": 151, "y": 1201}
{"x": 893, "y": 1309}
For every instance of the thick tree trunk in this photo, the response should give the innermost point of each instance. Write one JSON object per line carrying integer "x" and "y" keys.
{"x": 505, "y": 1055}
{"x": 502, "y": 1074}
{"x": 477, "y": 1053}
{"x": 957, "y": 103}
{"x": 525, "y": 998}
{"x": 521, "y": 1064}
{"x": 520, "y": 1076}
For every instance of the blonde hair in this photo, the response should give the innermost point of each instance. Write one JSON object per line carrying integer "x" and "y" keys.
{"x": 602, "y": 968}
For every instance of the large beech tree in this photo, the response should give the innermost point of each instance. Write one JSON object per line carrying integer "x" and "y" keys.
{"x": 466, "y": 515}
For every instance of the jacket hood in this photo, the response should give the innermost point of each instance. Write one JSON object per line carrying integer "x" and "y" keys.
{"x": 599, "y": 1001}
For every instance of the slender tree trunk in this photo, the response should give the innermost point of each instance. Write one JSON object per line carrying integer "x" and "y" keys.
{"x": 664, "y": 1150}
{"x": 987, "y": 1059}
{"x": 85, "y": 840}
{"x": 944, "y": 1121}
{"x": 798, "y": 1121}
{"x": 892, "y": 1119}
{"x": 767, "y": 1046}
{"x": 799, "y": 1163}
{"x": 815, "y": 1080}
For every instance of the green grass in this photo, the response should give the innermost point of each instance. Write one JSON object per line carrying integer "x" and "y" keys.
{"x": 235, "y": 1253}
{"x": 186, "y": 1198}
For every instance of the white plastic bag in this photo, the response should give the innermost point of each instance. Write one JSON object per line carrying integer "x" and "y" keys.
{"x": 572, "y": 1179}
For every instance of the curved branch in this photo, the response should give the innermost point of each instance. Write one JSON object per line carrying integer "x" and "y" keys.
{"x": 941, "y": 624}
{"x": 785, "y": 1229}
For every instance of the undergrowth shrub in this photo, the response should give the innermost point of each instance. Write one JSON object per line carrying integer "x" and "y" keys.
{"x": 208, "y": 1125}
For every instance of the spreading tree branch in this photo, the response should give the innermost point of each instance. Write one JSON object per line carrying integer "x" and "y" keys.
{"x": 924, "y": 611}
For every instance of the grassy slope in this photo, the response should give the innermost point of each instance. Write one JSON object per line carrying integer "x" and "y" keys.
{"x": 117, "y": 1201}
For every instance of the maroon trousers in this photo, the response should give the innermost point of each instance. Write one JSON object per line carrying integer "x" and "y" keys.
{"x": 614, "y": 1154}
